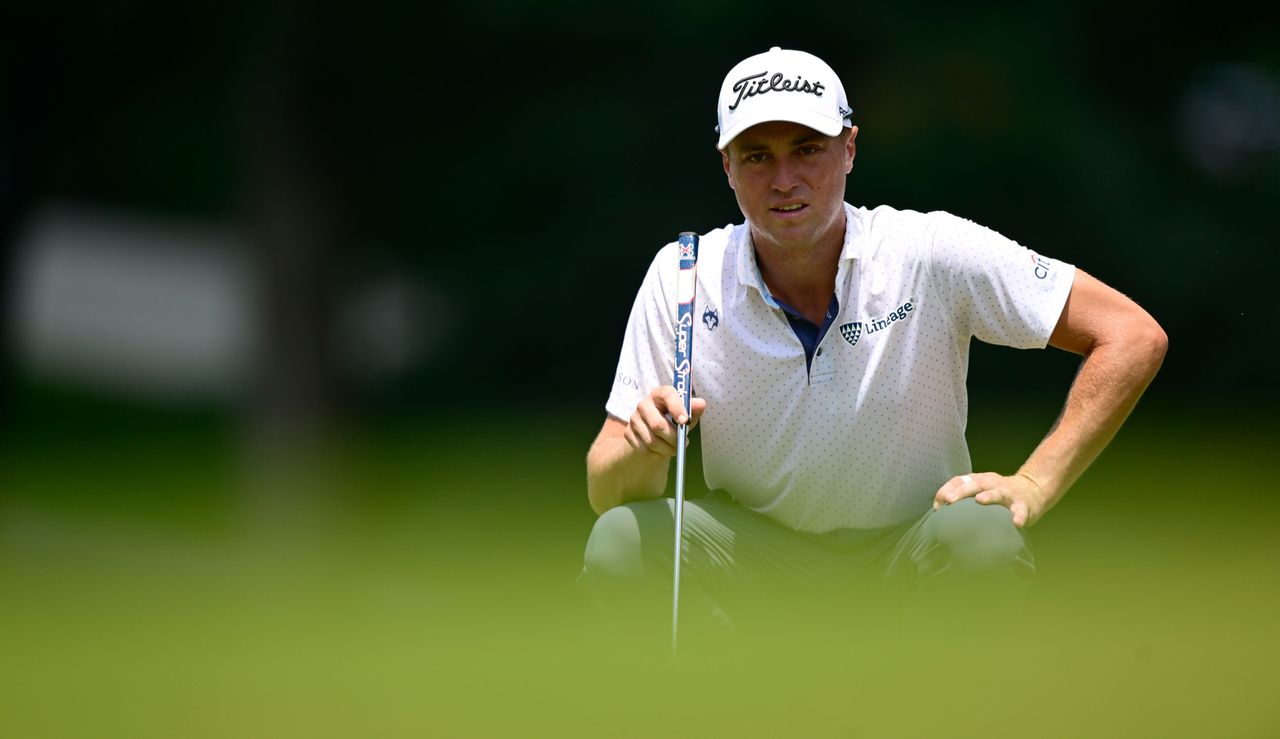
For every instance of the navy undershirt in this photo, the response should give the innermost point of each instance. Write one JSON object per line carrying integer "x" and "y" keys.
{"x": 810, "y": 335}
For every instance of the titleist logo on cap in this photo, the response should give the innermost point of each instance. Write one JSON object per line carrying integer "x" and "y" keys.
{"x": 753, "y": 85}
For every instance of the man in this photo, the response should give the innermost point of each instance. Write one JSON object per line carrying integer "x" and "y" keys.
{"x": 838, "y": 456}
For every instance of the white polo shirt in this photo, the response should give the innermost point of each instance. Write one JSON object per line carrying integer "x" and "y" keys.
{"x": 865, "y": 436}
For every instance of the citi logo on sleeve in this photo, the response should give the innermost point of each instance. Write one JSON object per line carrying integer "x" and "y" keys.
{"x": 1042, "y": 265}
{"x": 854, "y": 330}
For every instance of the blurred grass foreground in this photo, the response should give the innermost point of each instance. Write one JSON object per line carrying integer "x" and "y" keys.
{"x": 419, "y": 581}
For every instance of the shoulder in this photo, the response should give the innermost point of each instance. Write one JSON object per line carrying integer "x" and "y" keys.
{"x": 886, "y": 220}
{"x": 922, "y": 233}
{"x": 893, "y": 234}
{"x": 886, "y": 225}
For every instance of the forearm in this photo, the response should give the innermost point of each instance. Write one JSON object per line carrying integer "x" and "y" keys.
{"x": 617, "y": 473}
{"x": 1111, "y": 379}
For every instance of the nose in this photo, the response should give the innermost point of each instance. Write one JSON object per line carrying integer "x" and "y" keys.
{"x": 785, "y": 175}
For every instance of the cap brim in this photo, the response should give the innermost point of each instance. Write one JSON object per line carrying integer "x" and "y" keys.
{"x": 818, "y": 122}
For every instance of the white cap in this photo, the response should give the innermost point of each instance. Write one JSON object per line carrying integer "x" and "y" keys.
{"x": 781, "y": 85}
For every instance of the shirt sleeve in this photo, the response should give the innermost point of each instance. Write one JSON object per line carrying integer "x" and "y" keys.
{"x": 648, "y": 359}
{"x": 996, "y": 289}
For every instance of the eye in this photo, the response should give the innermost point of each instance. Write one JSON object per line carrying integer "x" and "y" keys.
{"x": 810, "y": 149}
{"x": 755, "y": 157}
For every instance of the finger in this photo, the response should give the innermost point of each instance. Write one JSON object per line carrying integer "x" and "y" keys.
{"x": 994, "y": 495}
{"x": 659, "y": 427}
{"x": 670, "y": 402}
{"x": 642, "y": 435}
{"x": 1020, "y": 514}
{"x": 633, "y": 435}
{"x": 635, "y": 438}
{"x": 697, "y": 406}
{"x": 653, "y": 443}
{"x": 940, "y": 497}
{"x": 955, "y": 489}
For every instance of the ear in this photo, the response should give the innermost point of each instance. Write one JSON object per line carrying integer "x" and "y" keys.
{"x": 724, "y": 159}
{"x": 850, "y": 149}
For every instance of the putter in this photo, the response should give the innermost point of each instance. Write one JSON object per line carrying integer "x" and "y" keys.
{"x": 686, "y": 288}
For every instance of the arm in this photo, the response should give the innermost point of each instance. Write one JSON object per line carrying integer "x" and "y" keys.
{"x": 1123, "y": 347}
{"x": 629, "y": 461}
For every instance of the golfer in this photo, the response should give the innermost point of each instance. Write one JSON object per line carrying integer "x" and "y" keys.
{"x": 830, "y": 354}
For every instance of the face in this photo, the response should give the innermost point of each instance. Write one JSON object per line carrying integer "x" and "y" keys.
{"x": 789, "y": 181}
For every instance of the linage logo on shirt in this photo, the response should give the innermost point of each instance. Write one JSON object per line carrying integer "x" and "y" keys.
{"x": 854, "y": 330}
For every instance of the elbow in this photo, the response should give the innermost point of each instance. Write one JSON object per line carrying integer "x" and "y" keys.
{"x": 1150, "y": 343}
{"x": 597, "y": 491}
{"x": 1138, "y": 347}
{"x": 596, "y": 499}
{"x": 593, "y": 490}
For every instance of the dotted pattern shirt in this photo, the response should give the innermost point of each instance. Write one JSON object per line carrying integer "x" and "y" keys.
{"x": 864, "y": 436}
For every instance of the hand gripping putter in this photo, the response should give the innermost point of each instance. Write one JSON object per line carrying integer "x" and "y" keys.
{"x": 686, "y": 288}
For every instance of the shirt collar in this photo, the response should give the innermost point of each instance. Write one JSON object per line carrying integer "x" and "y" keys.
{"x": 749, "y": 271}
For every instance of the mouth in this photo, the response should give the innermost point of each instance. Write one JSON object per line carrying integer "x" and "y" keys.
{"x": 789, "y": 209}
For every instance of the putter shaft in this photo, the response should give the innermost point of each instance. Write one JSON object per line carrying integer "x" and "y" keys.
{"x": 681, "y": 435}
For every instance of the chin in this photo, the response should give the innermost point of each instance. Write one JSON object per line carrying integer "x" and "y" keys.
{"x": 792, "y": 234}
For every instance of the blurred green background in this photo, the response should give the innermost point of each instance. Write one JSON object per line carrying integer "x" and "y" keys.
{"x": 311, "y": 313}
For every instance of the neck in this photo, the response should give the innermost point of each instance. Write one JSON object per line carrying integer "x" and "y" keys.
{"x": 802, "y": 277}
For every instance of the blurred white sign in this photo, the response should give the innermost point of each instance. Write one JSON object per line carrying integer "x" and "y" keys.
{"x": 160, "y": 308}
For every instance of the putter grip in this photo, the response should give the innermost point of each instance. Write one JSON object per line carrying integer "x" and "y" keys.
{"x": 686, "y": 290}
